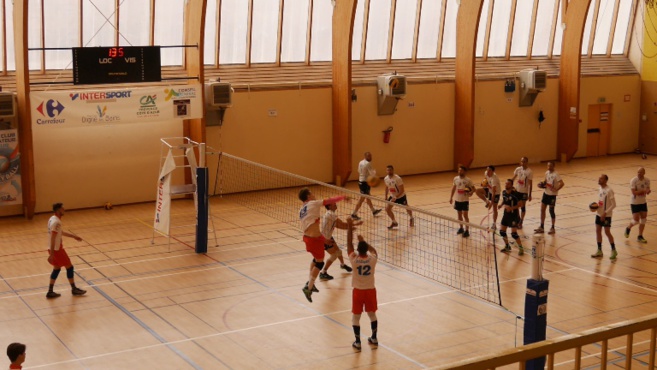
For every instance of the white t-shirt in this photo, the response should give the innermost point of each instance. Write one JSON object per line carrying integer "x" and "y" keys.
{"x": 363, "y": 275}
{"x": 522, "y": 177}
{"x": 493, "y": 181}
{"x": 461, "y": 195}
{"x": 55, "y": 226}
{"x": 551, "y": 181}
{"x": 640, "y": 185}
{"x": 393, "y": 183}
{"x": 328, "y": 224}
{"x": 364, "y": 170}
{"x": 606, "y": 201}
{"x": 309, "y": 213}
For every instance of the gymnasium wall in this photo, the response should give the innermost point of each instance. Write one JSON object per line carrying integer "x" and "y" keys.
{"x": 291, "y": 130}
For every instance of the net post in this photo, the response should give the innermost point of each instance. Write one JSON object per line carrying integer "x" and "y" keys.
{"x": 536, "y": 302}
{"x": 202, "y": 211}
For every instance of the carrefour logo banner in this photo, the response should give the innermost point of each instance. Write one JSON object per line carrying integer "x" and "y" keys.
{"x": 114, "y": 106}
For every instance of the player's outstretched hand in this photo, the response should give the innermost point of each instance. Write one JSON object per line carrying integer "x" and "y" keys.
{"x": 360, "y": 238}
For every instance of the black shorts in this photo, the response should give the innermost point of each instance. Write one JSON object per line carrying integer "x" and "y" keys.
{"x": 522, "y": 196}
{"x": 607, "y": 222}
{"x": 364, "y": 187}
{"x": 462, "y": 206}
{"x": 328, "y": 246}
{"x": 488, "y": 196}
{"x": 550, "y": 200}
{"x": 510, "y": 219}
{"x": 401, "y": 200}
{"x": 636, "y": 208}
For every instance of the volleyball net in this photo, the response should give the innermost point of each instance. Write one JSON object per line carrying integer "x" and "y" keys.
{"x": 431, "y": 248}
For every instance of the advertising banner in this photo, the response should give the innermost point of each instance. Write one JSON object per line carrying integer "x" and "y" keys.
{"x": 163, "y": 201}
{"x": 10, "y": 169}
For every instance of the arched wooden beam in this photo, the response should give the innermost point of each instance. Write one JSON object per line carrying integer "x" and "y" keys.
{"x": 467, "y": 23}
{"x": 344, "y": 12}
{"x": 569, "y": 79}
{"x": 194, "y": 24}
{"x": 24, "y": 118}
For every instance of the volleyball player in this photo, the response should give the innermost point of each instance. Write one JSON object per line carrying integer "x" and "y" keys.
{"x": 490, "y": 192}
{"x": 525, "y": 177}
{"x": 312, "y": 237}
{"x": 58, "y": 257}
{"x": 510, "y": 217}
{"x": 365, "y": 170}
{"x": 640, "y": 187}
{"x": 606, "y": 205}
{"x": 395, "y": 193}
{"x": 551, "y": 185}
{"x": 329, "y": 222}
{"x": 463, "y": 187}
{"x": 363, "y": 261}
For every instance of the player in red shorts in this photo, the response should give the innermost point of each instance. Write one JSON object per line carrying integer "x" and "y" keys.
{"x": 57, "y": 255}
{"x": 363, "y": 261}
{"x": 309, "y": 215}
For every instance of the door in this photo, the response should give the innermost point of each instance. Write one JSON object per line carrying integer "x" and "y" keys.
{"x": 598, "y": 130}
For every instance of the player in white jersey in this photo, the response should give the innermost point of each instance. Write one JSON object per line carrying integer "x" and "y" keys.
{"x": 551, "y": 185}
{"x": 640, "y": 187}
{"x": 396, "y": 193}
{"x": 57, "y": 256}
{"x": 463, "y": 188}
{"x": 490, "y": 192}
{"x": 330, "y": 221}
{"x": 309, "y": 215}
{"x": 363, "y": 261}
{"x": 606, "y": 205}
{"x": 365, "y": 170}
{"x": 524, "y": 186}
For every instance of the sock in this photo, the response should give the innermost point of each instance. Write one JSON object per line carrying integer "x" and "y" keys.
{"x": 72, "y": 285}
{"x": 51, "y": 287}
{"x": 374, "y": 325}
{"x": 599, "y": 246}
{"x": 357, "y": 332}
{"x": 613, "y": 246}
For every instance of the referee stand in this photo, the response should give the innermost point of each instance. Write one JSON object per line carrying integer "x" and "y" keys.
{"x": 536, "y": 302}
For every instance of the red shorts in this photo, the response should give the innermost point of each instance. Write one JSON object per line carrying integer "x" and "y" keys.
{"x": 363, "y": 298}
{"x": 315, "y": 246}
{"x": 60, "y": 258}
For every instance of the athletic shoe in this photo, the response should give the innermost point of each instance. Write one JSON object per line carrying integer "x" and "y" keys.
{"x": 325, "y": 276}
{"x": 627, "y": 232}
{"x": 613, "y": 255}
{"x": 52, "y": 295}
{"x": 552, "y": 231}
{"x": 346, "y": 268}
{"x": 460, "y": 231}
{"x": 308, "y": 294}
{"x": 373, "y": 341}
{"x": 506, "y": 249}
{"x": 356, "y": 345}
{"x": 355, "y": 217}
{"x": 411, "y": 222}
{"x": 597, "y": 254}
{"x": 493, "y": 227}
{"x": 466, "y": 234}
{"x": 78, "y": 291}
{"x": 315, "y": 290}
{"x": 376, "y": 212}
{"x": 521, "y": 250}
{"x": 393, "y": 225}
{"x": 540, "y": 230}
{"x": 641, "y": 239}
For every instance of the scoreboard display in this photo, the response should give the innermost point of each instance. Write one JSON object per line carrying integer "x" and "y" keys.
{"x": 114, "y": 65}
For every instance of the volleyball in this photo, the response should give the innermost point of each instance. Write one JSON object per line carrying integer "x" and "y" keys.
{"x": 541, "y": 185}
{"x": 594, "y": 206}
{"x": 468, "y": 190}
{"x": 484, "y": 183}
{"x": 372, "y": 181}
{"x": 108, "y": 206}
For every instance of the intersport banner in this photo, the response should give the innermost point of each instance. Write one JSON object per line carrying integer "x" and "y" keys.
{"x": 74, "y": 108}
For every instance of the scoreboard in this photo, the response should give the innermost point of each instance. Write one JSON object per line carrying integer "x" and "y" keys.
{"x": 122, "y": 64}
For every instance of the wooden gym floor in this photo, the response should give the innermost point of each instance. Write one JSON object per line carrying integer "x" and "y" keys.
{"x": 161, "y": 306}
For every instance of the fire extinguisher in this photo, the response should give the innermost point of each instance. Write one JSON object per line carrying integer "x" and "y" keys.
{"x": 386, "y": 135}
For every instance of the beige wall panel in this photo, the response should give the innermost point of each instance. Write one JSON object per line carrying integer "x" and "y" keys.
{"x": 626, "y": 116}
{"x": 297, "y": 139}
{"x": 422, "y": 139}
{"x": 88, "y": 166}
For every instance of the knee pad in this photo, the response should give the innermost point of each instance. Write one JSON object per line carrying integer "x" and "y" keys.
{"x": 333, "y": 257}
{"x": 634, "y": 222}
{"x": 515, "y": 235}
{"x": 54, "y": 274}
{"x": 643, "y": 221}
{"x": 552, "y": 214}
{"x": 319, "y": 265}
{"x": 69, "y": 272}
{"x": 503, "y": 234}
{"x": 523, "y": 209}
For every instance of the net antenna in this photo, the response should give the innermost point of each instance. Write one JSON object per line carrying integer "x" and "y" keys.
{"x": 431, "y": 248}
{"x": 178, "y": 156}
